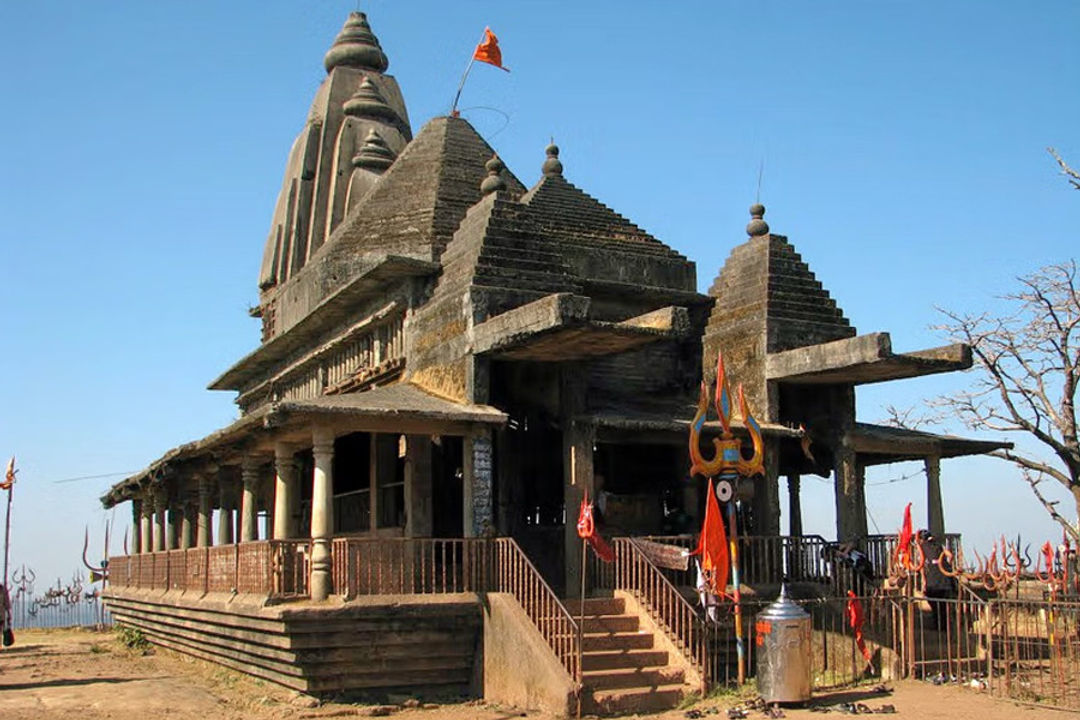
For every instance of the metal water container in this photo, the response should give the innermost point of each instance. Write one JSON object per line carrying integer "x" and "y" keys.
{"x": 784, "y": 649}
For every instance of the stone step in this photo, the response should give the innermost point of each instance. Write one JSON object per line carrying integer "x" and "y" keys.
{"x": 618, "y": 641}
{"x": 597, "y": 680}
{"x": 633, "y": 700}
{"x": 610, "y": 660}
{"x": 610, "y": 624}
{"x": 596, "y": 606}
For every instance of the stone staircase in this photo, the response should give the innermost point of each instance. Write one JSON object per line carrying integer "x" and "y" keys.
{"x": 624, "y": 666}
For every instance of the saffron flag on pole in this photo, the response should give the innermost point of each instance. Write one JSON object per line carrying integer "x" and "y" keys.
{"x": 488, "y": 51}
{"x": 906, "y": 535}
{"x": 9, "y": 476}
{"x": 586, "y": 530}
{"x": 713, "y": 545}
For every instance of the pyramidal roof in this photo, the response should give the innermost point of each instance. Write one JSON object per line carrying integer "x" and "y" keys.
{"x": 766, "y": 281}
{"x": 422, "y": 198}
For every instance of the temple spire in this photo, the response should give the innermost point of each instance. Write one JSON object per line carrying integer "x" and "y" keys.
{"x": 357, "y": 47}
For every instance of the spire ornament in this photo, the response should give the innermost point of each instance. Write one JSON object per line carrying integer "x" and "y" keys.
{"x": 356, "y": 46}
{"x": 552, "y": 165}
{"x": 374, "y": 154}
{"x": 757, "y": 227}
{"x": 494, "y": 181}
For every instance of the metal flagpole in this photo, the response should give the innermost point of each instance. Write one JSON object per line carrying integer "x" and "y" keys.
{"x": 464, "y": 77}
{"x": 7, "y": 532}
{"x": 736, "y": 592}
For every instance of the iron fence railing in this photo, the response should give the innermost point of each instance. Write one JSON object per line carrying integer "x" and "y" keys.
{"x": 515, "y": 574}
{"x": 408, "y": 566}
{"x": 277, "y": 568}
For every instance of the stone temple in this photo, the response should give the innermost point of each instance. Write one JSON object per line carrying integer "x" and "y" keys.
{"x": 450, "y": 357}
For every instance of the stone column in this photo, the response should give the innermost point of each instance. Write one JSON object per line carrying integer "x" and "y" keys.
{"x": 322, "y": 513}
{"x": 172, "y": 530}
{"x": 794, "y": 506}
{"x": 850, "y": 497}
{"x": 191, "y": 520}
{"x": 284, "y": 492}
{"x": 418, "y": 510}
{"x": 578, "y": 441}
{"x": 136, "y": 526}
{"x": 226, "y": 501}
{"x": 249, "y": 503}
{"x": 146, "y": 523}
{"x": 766, "y": 502}
{"x": 161, "y": 503}
{"x": 203, "y": 536}
{"x": 478, "y": 503}
{"x": 935, "y": 514}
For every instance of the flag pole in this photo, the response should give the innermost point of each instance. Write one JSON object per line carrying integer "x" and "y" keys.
{"x": 7, "y": 533}
{"x": 464, "y": 77}
{"x": 460, "y": 87}
{"x": 736, "y": 591}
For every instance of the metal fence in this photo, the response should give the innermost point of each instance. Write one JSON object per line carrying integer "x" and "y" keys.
{"x": 71, "y": 607}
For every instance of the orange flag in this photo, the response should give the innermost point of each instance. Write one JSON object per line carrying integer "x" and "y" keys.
{"x": 906, "y": 536}
{"x": 489, "y": 52}
{"x": 9, "y": 476}
{"x": 586, "y": 529}
{"x": 713, "y": 544}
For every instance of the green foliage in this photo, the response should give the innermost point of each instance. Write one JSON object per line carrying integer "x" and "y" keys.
{"x": 132, "y": 638}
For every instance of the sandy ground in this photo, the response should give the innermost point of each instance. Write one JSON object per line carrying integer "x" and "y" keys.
{"x": 89, "y": 676}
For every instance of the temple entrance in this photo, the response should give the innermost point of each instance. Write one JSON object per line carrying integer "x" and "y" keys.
{"x": 447, "y": 487}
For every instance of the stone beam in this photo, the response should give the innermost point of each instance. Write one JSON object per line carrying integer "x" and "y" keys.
{"x": 861, "y": 360}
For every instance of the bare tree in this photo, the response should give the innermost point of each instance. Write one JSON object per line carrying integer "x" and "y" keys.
{"x": 1028, "y": 367}
{"x": 1072, "y": 175}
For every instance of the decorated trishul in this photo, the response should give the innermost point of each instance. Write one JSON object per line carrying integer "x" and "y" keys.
{"x": 100, "y": 572}
{"x": 729, "y": 458}
{"x": 718, "y": 547}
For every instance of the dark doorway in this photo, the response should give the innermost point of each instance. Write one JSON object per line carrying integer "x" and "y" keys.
{"x": 448, "y": 496}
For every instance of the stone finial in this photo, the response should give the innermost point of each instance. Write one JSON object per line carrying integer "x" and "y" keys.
{"x": 552, "y": 165}
{"x": 494, "y": 180}
{"x": 757, "y": 227}
{"x": 374, "y": 154}
{"x": 368, "y": 102}
{"x": 356, "y": 46}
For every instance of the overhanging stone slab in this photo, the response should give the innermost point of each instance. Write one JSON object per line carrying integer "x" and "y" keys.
{"x": 862, "y": 360}
{"x": 880, "y": 444}
{"x": 557, "y": 328}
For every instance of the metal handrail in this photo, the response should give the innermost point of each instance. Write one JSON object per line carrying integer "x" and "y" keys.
{"x": 515, "y": 574}
{"x": 666, "y": 605}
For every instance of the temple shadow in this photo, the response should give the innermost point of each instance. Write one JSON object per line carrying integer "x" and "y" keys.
{"x": 67, "y": 682}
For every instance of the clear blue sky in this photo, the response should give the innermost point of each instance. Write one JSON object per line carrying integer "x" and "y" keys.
{"x": 144, "y": 144}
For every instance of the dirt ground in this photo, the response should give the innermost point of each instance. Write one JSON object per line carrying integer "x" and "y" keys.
{"x": 91, "y": 676}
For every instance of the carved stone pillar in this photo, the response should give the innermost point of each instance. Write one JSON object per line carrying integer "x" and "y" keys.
{"x": 850, "y": 496}
{"x": 227, "y": 504}
{"x": 578, "y": 442}
{"x": 479, "y": 501}
{"x": 794, "y": 505}
{"x": 191, "y": 519}
{"x": 322, "y": 513}
{"x": 136, "y": 526}
{"x": 418, "y": 509}
{"x": 203, "y": 537}
{"x": 249, "y": 503}
{"x": 935, "y": 513}
{"x": 172, "y": 530}
{"x": 284, "y": 492}
{"x": 146, "y": 523}
{"x": 161, "y": 504}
